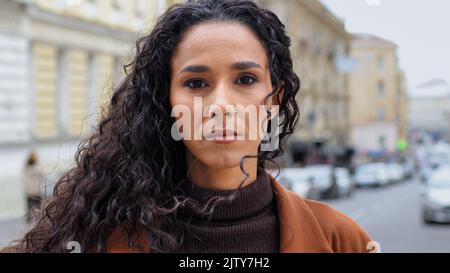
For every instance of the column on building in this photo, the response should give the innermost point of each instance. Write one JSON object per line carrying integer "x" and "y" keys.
{"x": 14, "y": 117}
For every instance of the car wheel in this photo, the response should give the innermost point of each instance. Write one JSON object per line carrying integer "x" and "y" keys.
{"x": 427, "y": 221}
{"x": 335, "y": 192}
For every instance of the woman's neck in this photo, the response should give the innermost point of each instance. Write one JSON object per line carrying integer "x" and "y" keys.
{"x": 221, "y": 178}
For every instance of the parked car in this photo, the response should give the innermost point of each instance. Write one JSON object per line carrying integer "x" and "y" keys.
{"x": 430, "y": 157}
{"x": 408, "y": 169}
{"x": 435, "y": 157}
{"x": 438, "y": 158}
{"x": 371, "y": 174}
{"x": 436, "y": 192}
{"x": 321, "y": 177}
{"x": 395, "y": 172}
{"x": 298, "y": 181}
{"x": 317, "y": 182}
{"x": 344, "y": 181}
{"x": 425, "y": 173}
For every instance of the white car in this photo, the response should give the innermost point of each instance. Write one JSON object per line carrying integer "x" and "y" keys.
{"x": 344, "y": 182}
{"x": 371, "y": 174}
{"x": 322, "y": 180}
{"x": 436, "y": 205}
{"x": 297, "y": 180}
{"x": 396, "y": 172}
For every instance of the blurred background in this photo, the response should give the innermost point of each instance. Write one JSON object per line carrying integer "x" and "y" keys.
{"x": 373, "y": 139}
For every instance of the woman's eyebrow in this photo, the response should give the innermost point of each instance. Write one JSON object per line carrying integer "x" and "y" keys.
{"x": 237, "y": 66}
{"x": 195, "y": 69}
{"x": 245, "y": 65}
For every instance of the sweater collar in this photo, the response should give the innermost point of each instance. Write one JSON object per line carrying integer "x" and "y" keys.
{"x": 299, "y": 229}
{"x": 249, "y": 201}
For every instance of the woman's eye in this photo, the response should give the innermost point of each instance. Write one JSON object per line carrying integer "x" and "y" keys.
{"x": 196, "y": 84}
{"x": 246, "y": 80}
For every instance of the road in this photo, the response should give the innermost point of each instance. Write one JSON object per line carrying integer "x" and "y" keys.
{"x": 392, "y": 216}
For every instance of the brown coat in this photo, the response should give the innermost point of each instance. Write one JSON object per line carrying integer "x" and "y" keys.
{"x": 305, "y": 226}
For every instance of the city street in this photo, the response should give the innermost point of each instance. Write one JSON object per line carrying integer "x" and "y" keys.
{"x": 89, "y": 89}
{"x": 392, "y": 216}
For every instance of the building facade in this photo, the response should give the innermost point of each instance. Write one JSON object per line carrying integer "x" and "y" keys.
{"x": 320, "y": 45}
{"x": 430, "y": 115}
{"x": 378, "y": 101}
{"x": 59, "y": 61}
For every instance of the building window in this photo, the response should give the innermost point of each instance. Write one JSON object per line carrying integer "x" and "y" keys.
{"x": 91, "y": 8}
{"x": 381, "y": 88}
{"x": 118, "y": 11}
{"x": 380, "y": 63}
{"x": 117, "y": 5}
{"x": 77, "y": 85}
{"x": 46, "y": 63}
{"x": 139, "y": 8}
{"x": 382, "y": 142}
{"x": 381, "y": 116}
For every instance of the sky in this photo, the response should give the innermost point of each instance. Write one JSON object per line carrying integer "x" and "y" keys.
{"x": 420, "y": 28}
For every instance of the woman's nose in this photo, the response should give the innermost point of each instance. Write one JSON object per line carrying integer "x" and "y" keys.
{"x": 221, "y": 95}
{"x": 220, "y": 100}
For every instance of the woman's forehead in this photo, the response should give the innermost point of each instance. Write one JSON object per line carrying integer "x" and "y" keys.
{"x": 209, "y": 42}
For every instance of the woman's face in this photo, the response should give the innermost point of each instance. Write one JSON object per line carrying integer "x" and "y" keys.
{"x": 220, "y": 68}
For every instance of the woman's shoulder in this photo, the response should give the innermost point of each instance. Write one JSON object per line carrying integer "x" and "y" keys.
{"x": 331, "y": 219}
{"x": 342, "y": 233}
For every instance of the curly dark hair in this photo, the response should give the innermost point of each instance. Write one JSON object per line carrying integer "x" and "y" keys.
{"x": 128, "y": 171}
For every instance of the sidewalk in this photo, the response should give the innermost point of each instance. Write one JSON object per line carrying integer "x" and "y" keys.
{"x": 11, "y": 230}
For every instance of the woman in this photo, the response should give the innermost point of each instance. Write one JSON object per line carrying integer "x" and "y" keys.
{"x": 33, "y": 178}
{"x": 138, "y": 188}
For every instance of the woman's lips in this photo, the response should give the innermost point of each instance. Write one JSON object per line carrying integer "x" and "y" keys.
{"x": 222, "y": 136}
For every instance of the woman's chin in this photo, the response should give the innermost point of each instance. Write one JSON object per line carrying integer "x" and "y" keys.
{"x": 221, "y": 156}
{"x": 222, "y": 161}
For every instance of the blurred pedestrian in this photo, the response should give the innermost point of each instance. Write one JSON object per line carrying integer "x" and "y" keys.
{"x": 33, "y": 178}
